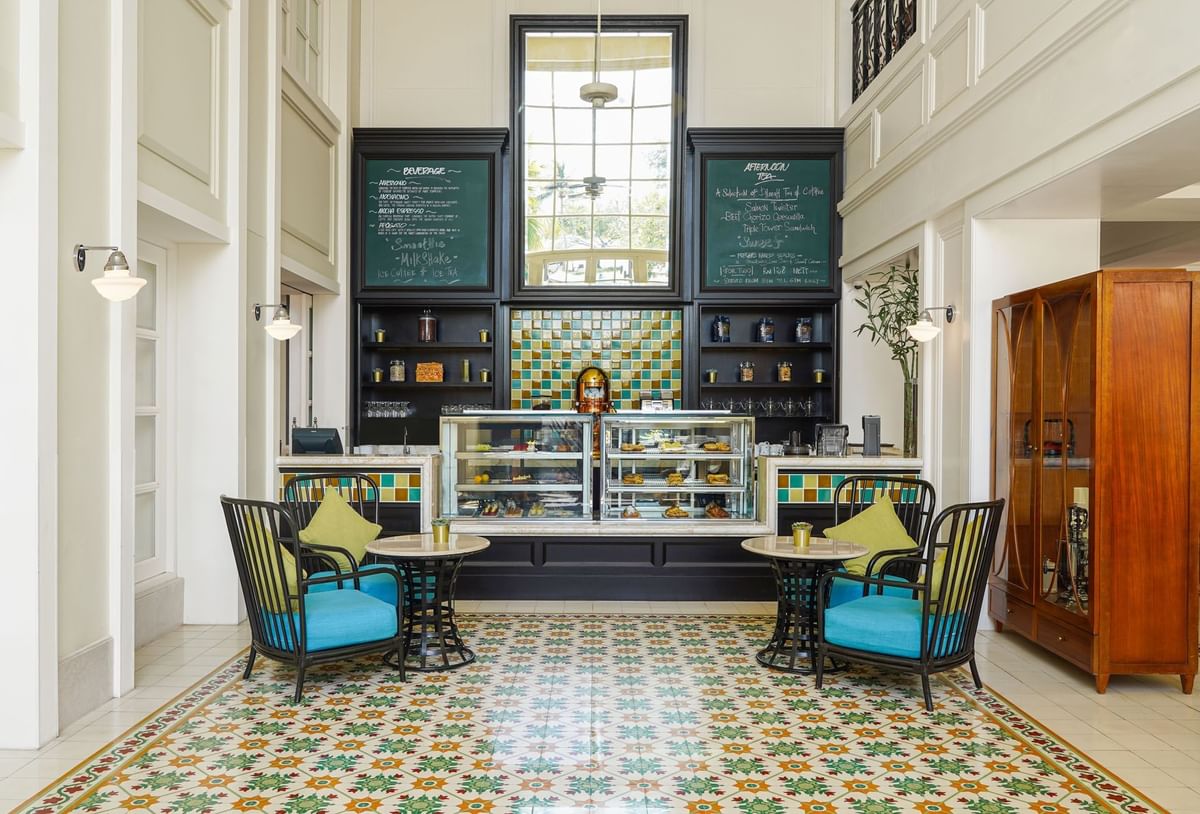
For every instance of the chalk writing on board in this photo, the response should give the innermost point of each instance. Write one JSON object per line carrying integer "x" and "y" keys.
{"x": 767, "y": 223}
{"x": 427, "y": 223}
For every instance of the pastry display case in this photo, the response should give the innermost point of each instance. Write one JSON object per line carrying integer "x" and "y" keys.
{"x": 677, "y": 466}
{"x": 517, "y": 465}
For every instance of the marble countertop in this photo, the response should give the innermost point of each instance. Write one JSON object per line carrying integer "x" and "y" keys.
{"x": 611, "y": 528}
{"x": 845, "y": 462}
{"x": 356, "y": 461}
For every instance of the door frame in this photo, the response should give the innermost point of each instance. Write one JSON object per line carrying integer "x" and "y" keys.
{"x": 163, "y": 563}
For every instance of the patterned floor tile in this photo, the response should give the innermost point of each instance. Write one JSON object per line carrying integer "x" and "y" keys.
{"x": 595, "y": 714}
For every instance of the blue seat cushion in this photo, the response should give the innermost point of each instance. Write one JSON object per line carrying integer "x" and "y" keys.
{"x": 842, "y": 591}
{"x": 379, "y": 586}
{"x": 336, "y": 619}
{"x": 890, "y": 625}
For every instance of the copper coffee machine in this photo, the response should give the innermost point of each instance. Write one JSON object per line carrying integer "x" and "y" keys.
{"x": 592, "y": 395}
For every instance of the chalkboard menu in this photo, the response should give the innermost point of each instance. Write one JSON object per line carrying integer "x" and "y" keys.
{"x": 427, "y": 223}
{"x": 766, "y": 223}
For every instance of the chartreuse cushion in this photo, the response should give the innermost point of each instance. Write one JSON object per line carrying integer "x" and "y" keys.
{"x": 336, "y": 523}
{"x": 262, "y": 556}
{"x": 959, "y": 586}
{"x": 876, "y": 527}
{"x": 889, "y": 625}
{"x": 379, "y": 586}
{"x": 338, "y": 619}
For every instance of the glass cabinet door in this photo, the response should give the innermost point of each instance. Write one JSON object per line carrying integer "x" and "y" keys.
{"x": 1015, "y": 445}
{"x": 509, "y": 466}
{"x": 1068, "y": 360}
{"x": 678, "y": 467}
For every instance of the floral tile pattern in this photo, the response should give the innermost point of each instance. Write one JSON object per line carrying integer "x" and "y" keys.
{"x": 589, "y": 714}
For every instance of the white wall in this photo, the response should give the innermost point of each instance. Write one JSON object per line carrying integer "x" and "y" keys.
{"x": 871, "y": 380}
{"x": 28, "y": 323}
{"x": 83, "y": 350}
{"x": 764, "y": 63}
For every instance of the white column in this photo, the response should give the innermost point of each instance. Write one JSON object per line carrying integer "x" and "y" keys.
{"x": 28, "y": 328}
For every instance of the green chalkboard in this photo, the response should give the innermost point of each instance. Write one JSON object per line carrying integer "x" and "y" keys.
{"x": 427, "y": 223}
{"x": 767, "y": 223}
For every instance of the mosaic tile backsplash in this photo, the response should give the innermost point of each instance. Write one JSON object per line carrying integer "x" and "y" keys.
{"x": 818, "y": 487}
{"x": 394, "y": 487}
{"x": 639, "y": 349}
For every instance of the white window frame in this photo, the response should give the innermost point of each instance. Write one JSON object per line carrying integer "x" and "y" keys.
{"x": 163, "y": 560}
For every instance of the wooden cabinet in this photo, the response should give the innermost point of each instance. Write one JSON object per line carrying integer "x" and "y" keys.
{"x": 1094, "y": 397}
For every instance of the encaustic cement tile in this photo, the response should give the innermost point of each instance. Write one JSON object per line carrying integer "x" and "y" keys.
{"x": 590, "y": 714}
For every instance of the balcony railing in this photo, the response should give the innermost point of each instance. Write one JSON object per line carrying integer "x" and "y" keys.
{"x": 881, "y": 27}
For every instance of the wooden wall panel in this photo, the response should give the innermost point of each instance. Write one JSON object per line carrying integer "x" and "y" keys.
{"x": 1147, "y": 494}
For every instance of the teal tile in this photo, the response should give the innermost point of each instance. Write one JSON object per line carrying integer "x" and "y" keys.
{"x": 387, "y": 479}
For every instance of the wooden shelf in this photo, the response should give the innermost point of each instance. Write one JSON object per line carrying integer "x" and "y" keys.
{"x": 427, "y": 345}
{"x": 409, "y": 385}
{"x": 766, "y": 345}
{"x": 766, "y": 385}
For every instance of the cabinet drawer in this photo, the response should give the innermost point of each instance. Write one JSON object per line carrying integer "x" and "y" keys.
{"x": 1013, "y": 613}
{"x": 1073, "y": 645}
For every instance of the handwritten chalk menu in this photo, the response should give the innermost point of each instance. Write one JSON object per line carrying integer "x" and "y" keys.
{"x": 767, "y": 223}
{"x": 427, "y": 223}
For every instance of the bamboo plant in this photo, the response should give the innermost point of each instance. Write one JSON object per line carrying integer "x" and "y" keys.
{"x": 892, "y": 302}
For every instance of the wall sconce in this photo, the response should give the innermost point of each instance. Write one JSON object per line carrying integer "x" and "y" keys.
{"x": 281, "y": 326}
{"x": 924, "y": 329}
{"x": 118, "y": 283}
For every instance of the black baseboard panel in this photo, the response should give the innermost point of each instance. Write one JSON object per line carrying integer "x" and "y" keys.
{"x": 633, "y": 568}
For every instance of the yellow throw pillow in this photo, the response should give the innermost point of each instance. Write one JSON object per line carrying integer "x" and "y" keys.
{"x": 336, "y": 523}
{"x": 960, "y": 580}
{"x": 876, "y": 527}
{"x": 263, "y": 545}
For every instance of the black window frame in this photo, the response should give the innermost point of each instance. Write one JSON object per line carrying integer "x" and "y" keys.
{"x": 678, "y": 286}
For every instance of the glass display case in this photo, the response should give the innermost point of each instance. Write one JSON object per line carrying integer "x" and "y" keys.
{"x": 677, "y": 466}
{"x": 517, "y": 465}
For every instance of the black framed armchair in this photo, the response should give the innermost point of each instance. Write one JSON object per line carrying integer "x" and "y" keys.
{"x": 289, "y": 621}
{"x": 935, "y": 629}
{"x": 913, "y": 500}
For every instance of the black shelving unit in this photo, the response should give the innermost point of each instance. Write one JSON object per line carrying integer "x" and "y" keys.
{"x": 779, "y": 407}
{"x": 459, "y": 324}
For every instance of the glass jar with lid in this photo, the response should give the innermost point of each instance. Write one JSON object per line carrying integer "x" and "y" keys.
{"x": 764, "y": 330}
{"x": 783, "y": 371}
{"x": 396, "y": 371}
{"x": 745, "y": 371}
{"x": 427, "y": 327}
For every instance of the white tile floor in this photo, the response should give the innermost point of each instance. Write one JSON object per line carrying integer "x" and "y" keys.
{"x": 1143, "y": 729}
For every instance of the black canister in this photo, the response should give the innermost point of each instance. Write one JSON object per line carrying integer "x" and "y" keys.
{"x": 764, "y": 330}
{"x": 720, "y": 329}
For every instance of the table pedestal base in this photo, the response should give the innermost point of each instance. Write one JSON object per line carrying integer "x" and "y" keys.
{"x": 433, "y": 640}
{"x": 793, "y": 644}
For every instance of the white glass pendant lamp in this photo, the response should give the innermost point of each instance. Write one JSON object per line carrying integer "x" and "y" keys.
{"x": 924, "y": 329}
{"x": 281, "y": 326}
{"x": 597, "y": 93}
{"x": 117, "y": 283}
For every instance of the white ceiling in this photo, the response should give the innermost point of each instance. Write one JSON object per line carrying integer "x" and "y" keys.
{"x": 1124, "y": 185}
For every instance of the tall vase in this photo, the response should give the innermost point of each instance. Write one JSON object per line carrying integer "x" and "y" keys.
{"x": 910, "y": 418}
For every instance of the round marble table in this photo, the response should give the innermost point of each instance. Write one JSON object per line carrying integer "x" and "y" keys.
{"x": 428, "y": 572}
{"x": 797, "y": 574}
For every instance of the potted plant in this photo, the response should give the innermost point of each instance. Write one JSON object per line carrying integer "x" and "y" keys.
{"x": 892, "y": 302}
